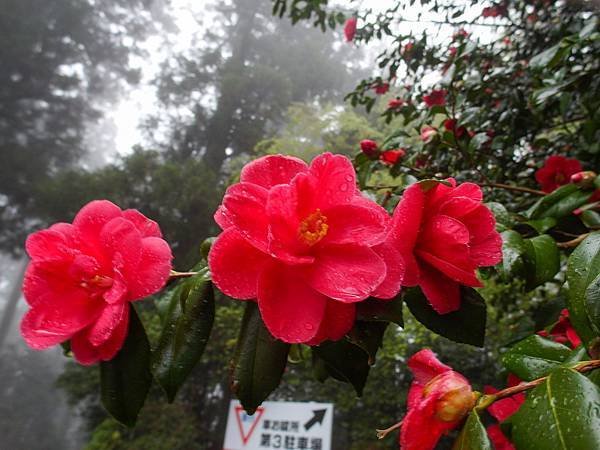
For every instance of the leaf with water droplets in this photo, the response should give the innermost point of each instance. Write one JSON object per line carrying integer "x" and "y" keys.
{"x": 467, "y": 325}
{"x": 125, "y": 380}
{"x": 345, "y": 362}
{"x": 473, "y": 435}
{"x": 582, "y": 269}
{"x": 561, "y": 413}
{"x": 259, "y": 361}
{"x": 542, "y": 260}
{"x": 186, "y": 328}
{"x": 535, "y": 357}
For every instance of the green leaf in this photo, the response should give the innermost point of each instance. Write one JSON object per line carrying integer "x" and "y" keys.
{"x": 591, "y": 219}
{"x": 426, "y": 185}
{"x": 542, "y": 225}
{"x": 541, "y": 60}
{"x": 582, "y": 269}
{"x": 345, "y": 362}
{"x": 259, "y": 361}
{"x": 560, "y": 203}
{"x": 513, "y": 249}
{"x": 473, "y": 435}
{"x": 125, "y": 380}
{"x": 592, "y": 302}
{"x": 186, "y": 329}
{"x": 542, "y": 260}
{"x": 467, "y": 325}
{"x": 375, "y": 310}
{"x": 368, "y": 336}
{"x": 501, "y": 214}
{"x": 561, "y": 413}
{"x": 477, "y": 141}
{"x": 534, "y": 357}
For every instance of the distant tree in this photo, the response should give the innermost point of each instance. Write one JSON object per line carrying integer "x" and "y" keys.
{"x": 60, "y": 60}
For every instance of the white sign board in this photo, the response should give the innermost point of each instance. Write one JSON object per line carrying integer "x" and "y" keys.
{"x": 280, "y": 425}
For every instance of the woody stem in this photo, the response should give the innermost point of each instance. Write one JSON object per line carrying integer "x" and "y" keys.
{"x": 510, "y": 187}
{"x": 175, "y": 275}
{"x": 573, "y": 242}
{"x": 383, "y": 433}
{"x": 584, "y": 366}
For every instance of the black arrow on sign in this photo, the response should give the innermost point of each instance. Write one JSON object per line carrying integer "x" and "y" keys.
{"x": 318, "y": 416}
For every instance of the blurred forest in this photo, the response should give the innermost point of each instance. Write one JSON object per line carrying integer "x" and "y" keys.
{"x": 251, "y": 84}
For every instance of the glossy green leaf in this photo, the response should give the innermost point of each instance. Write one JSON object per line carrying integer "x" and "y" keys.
{"x": 542, "y": 225}
{"x": 125, "y": 380}
{"x": 542, "y": 260}
{"x": 582, "y": 269}
{"x": 513, "y": 249}
{"x": 368, "y": 336}
{"x": 345, "y": 362}
{"x": 544, "y": 58}
{"x": 559, "y": 203}
{"x": 375, "y": 310}
{"x": 563, "y": 413}
{"x": 473, "y": 435}
{"x": 259, "y": 361}
{"x": 592, "y": 302}
{"x": 186, "y": 329}
{"x": 534, "y": 357}
{"x": 591, "y": 219}
{"x": 501, "y": 214}
{"x": 467, "y": 325}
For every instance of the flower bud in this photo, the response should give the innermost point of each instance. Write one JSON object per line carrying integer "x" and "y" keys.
{"x": 585, "y": 179}
{"x": 369, "y": 148}
{"x": 391, "y": 157}
{"x": 455, "y": 396}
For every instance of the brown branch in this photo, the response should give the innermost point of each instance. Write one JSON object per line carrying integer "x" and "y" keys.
{"x": 573, "y": 242}
{"x": 509, "y": 187}
{"x": 176, "y": 275}
{"x": 584, "y": 366}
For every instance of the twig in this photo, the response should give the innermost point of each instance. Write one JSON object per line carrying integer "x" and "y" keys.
{"x": 383, "y": 433}
{"x": 573, "y": 242}
{"x": 509, "y": 187}
{"x": 175, "y": 275}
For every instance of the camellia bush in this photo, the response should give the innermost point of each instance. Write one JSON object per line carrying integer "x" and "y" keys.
{"x": 487, "y": 176}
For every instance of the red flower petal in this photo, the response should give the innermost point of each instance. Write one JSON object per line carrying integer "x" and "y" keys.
{"x": 145, "y": 226}
{"x": 406, "y": 225}
{"x": 91, "y": 219}
{"x": 442, "y": 292}
{"x": 425, "y": 365}
{"x": 335, "y": 179}
{"x": 153, "y": 270}
{"x": 348, "y": 273}
{"x": 395, "y": 269}
{"x": 337, "y": 321}
{"x": 121, "y": 236}
{"x": 291, "y": 310}
{"x": 112, "y": 315}
{"x": 498, "y": 439}
{"x": 235, "y": 265}
{"x": 271, "y": 170}
{"x": 244, "y": 206}
{"x": 353, "y": 223}
{"x": 48, "y": 245}
{"x": 420, "y": 429}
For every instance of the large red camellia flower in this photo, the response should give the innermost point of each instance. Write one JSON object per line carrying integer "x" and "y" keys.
{"x": 444, "y": 234}
{"x": 305, "y": 244}
{"x": 556, "y": 172}
{"x": 438, "y": 400}
{"x": 82, "y": 277}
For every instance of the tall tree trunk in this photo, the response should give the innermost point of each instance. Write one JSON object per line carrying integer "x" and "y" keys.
{"x": 13, "y": 300}
{"x": 219, "y": 127}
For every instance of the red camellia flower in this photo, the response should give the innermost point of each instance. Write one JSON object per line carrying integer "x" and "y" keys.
{"x": 438, "y": 400}
{"x": 563, "y": 331}
{"x": 444, "y": 234}
{"x": 83, "y": 275}
{"x": 556, "y": 172}
{"x": 305, "y": 244}
{"x": 369, "y": 148}
{"x": 391, "y": 157}
{"x": 382, "y": 88}
{"x": 437, "y": 97}
{"x": 498, "y": 438}
{"x": 350, "y": 29}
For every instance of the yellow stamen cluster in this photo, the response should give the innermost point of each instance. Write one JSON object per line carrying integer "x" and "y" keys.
{"x": 313, "y": 228}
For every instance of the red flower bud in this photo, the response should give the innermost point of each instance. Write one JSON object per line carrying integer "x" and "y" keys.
{"x": 369, "y": 148}
{"x": 382, "y": 88}
{"x": 437, "y": 97}
{"x": 585, "y": 179}
{"x": 395, "y": 103}
{"x": 427, "y": 133}
{"x": 391, "y": 157}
